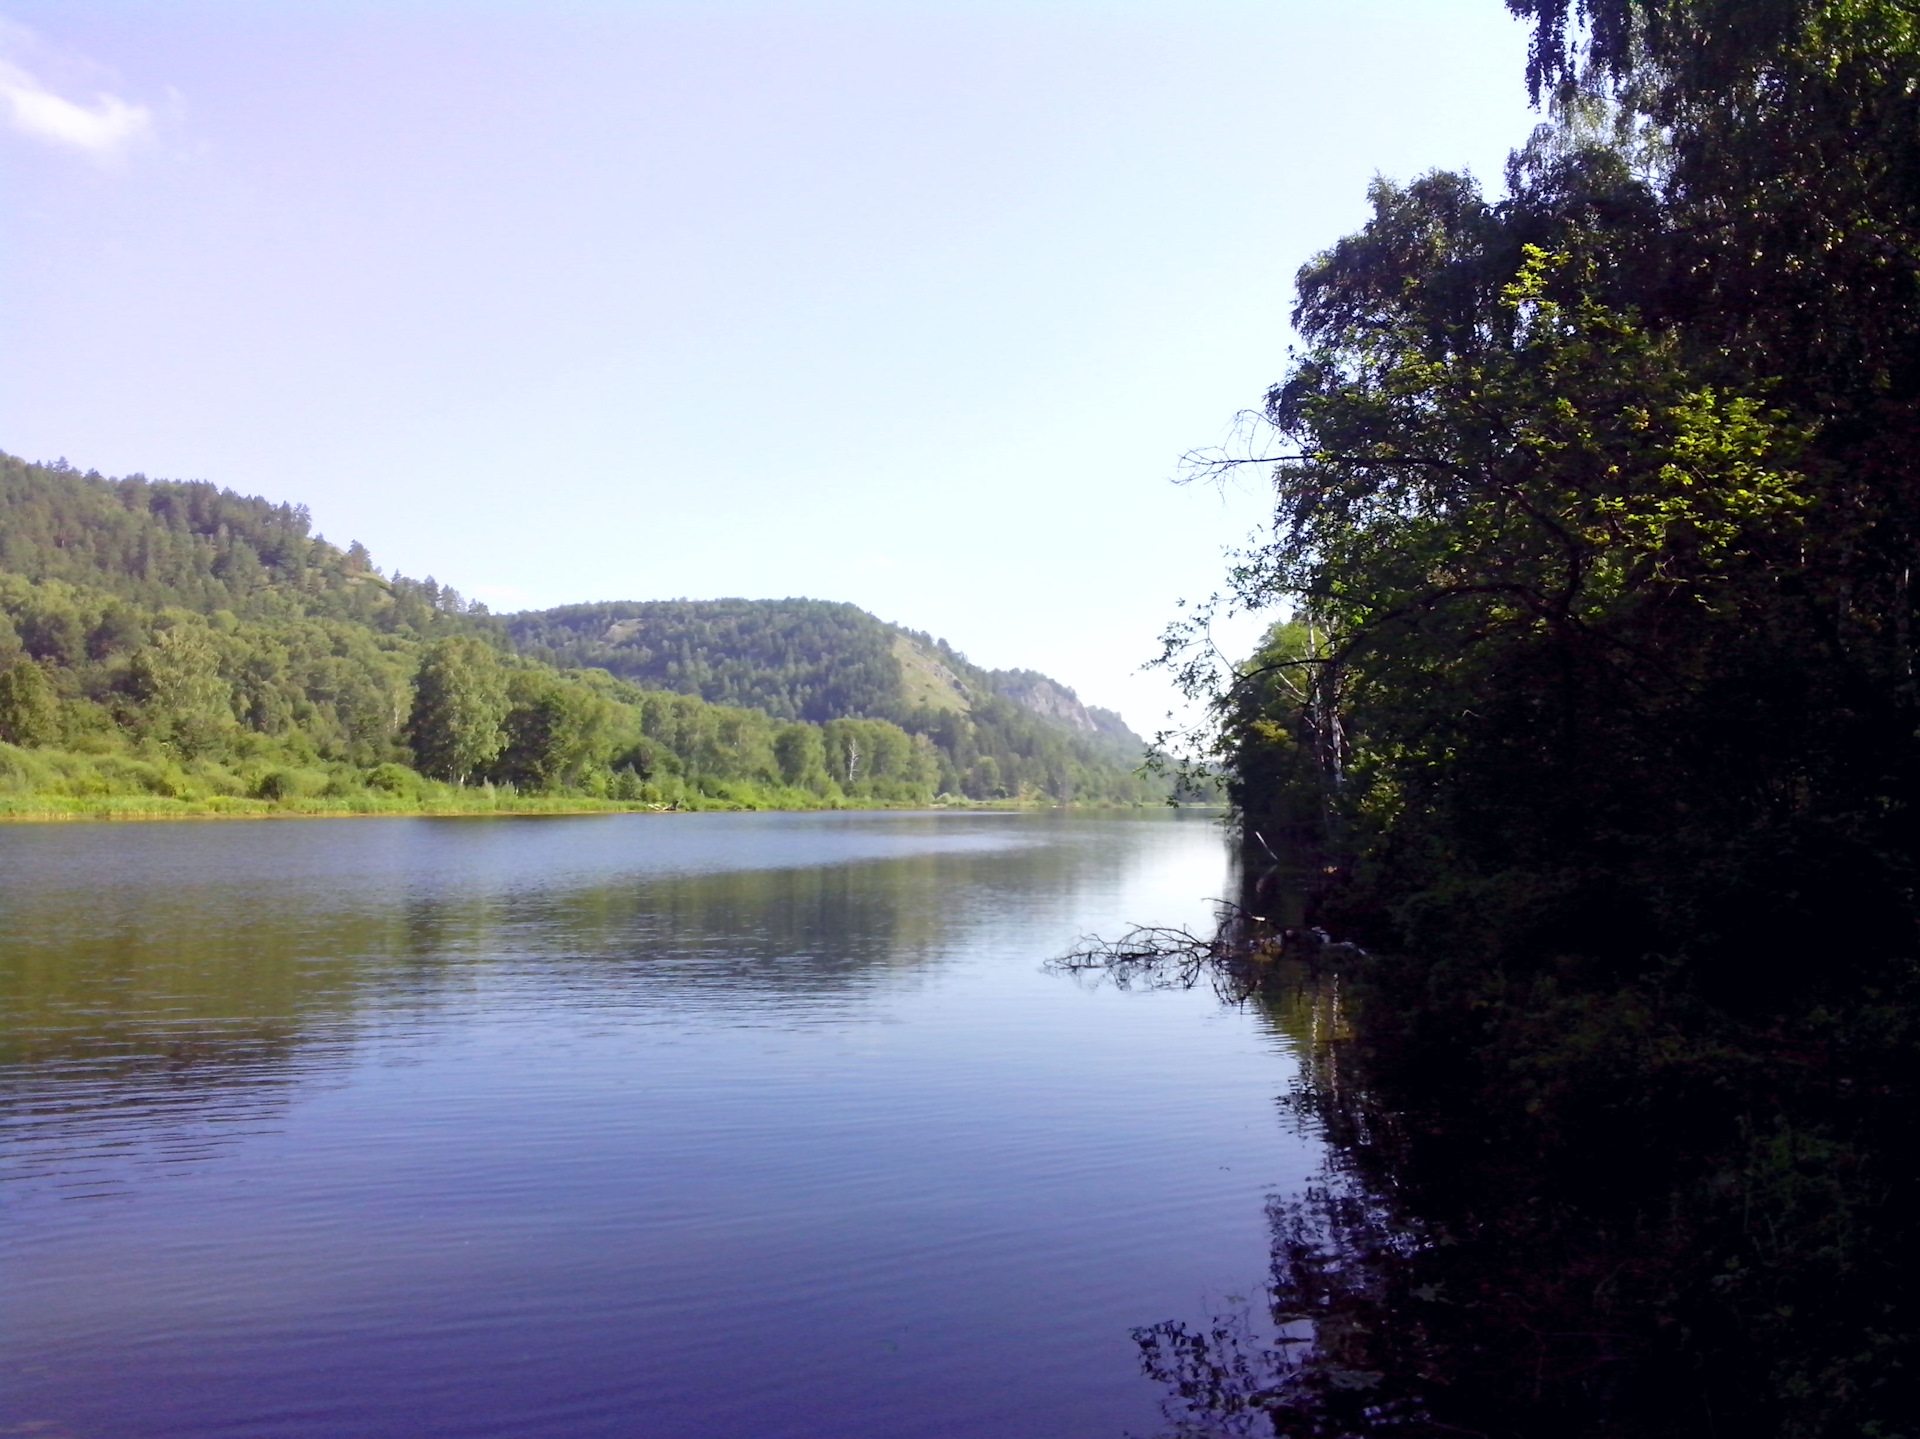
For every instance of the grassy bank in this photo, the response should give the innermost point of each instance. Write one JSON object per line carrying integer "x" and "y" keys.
{"x": 49, "y": 784}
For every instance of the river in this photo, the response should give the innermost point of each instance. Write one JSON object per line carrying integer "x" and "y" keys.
{"x": 675, "y": 1125}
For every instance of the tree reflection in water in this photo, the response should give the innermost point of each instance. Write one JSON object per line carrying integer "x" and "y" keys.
{"x": 1601, "y": 1216}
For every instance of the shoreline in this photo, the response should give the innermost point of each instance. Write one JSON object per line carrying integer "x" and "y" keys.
{"x": 107, "y": 811}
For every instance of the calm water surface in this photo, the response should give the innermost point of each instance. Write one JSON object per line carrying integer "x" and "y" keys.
{"x": 714, "y": 1125}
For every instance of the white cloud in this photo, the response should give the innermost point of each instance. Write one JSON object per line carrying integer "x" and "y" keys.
{"x": 102, "y": 130}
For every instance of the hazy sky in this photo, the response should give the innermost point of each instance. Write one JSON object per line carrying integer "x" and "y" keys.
{"x": 913, "y": 305}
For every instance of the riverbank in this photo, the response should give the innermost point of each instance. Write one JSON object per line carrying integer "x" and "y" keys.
{"x": 37, "y": 810}
{"x": 139, "y": 807}
{"x": 49, "y": 786}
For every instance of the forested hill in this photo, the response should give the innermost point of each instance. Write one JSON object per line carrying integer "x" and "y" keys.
{"x": 815, "y": 660}
{"x": 168, "y": 642}
{"x": 202, "y": 548}
{"x": 795, "y": 659}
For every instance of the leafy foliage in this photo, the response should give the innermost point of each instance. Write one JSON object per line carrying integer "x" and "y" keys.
{"x": 1592, "y": 715}
{"x": 459, "y": 703}
{"x": 28, "y": 714}
{"x": 1595, "y": 613}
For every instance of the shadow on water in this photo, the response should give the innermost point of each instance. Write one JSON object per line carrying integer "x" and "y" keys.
{"x": 1600, "y": 1217}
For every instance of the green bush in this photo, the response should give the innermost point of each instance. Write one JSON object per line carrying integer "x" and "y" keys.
{"x": 394, "y": 779}
{"x": 277, "y": 784}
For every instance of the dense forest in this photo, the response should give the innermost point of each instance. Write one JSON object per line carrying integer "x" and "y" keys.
{"x": 1589, "y": 732}
{"x": 993, "y": 732}
{"x": 168, "y": 644}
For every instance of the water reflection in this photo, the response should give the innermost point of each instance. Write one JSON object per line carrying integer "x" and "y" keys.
{"x": 1636, "y": 1225}
{"x": 127, "y": 999}
{"x": 762, "y": 1125}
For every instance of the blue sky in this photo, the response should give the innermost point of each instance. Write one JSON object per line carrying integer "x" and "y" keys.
{"x": 913, "y": 305}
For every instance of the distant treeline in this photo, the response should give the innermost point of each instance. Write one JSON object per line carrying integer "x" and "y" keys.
{"x": 167, "y": 641}
{"x": 812, "y": 660}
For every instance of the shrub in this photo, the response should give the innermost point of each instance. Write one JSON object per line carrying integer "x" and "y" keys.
{"x": 394, "y": 779}
{"x": 276, "y": 785}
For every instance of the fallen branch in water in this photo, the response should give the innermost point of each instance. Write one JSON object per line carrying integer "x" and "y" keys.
{"x": 1155, "y": 956}
{"x": 1241, "y": 949}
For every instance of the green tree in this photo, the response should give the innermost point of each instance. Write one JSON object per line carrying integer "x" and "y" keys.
{"x": 879, "y": 760}
{"x": 54, "y": 632}
{"x": 1594, "y": 711}
{"x": 1537, "y": 545}
{"x": 459, "y": 703}
{"x": 803, "y": 758}
{"x": 552, "y": 731}
{"x": 29, "y": 712}
{"x": 186, "y": 702}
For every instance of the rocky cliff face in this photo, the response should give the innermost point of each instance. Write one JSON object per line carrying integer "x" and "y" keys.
{"x": 1048, "y": 699}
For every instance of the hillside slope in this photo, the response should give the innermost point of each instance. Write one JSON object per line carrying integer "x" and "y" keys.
{"x": 201, "y": 548}
{"x": 168, "y": 646}
{"x": 997, "y": 731}
{"x": 179, "y": 642}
